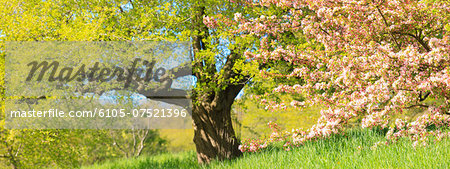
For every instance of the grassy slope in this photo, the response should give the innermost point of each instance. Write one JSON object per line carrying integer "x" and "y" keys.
{"x": 350, "y": 151}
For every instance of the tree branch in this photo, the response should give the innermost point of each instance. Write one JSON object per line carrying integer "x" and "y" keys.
{"x": 201, "y": 34}
{"x": 422, "y": 98}
{"x": 118, "y": 146}
{"x": 417, "y": 38}
{"x": 387, "y": 25}
{"x": 134, "y": 141}
{"x": 18, "y": 150}
{"x": 416, "y": 105}
{"x": 142, "y": 142}
{"x": 131, "y": 2}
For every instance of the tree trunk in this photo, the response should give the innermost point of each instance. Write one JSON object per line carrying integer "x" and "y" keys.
{"x": 214, "y": 134}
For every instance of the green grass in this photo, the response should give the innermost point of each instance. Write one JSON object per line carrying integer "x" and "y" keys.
{"x": 349, "y": 151}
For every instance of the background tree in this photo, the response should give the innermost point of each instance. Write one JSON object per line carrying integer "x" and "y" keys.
{"x": 67, "y": 21}
{"x": 220, "y": 68}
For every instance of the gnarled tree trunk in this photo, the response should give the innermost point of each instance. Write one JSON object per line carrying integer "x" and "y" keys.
{"x": 213, "y": 97}
{"x": 214, "y": 134}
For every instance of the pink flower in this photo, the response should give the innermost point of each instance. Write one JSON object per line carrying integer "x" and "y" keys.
{"x": 237, "y": 16}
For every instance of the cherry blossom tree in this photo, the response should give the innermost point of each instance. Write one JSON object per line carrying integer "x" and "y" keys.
{"x": 372, "y": 59}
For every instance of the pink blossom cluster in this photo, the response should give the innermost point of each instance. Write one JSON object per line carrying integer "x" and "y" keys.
{"x": 295, "y": 103}
{"x": 419, "y": 130}
{"x": 272, "y": 105}
{"x": 276, "y": 136}
{"x": 211, "y": 22}
{"x": 331, "y": 122}
{"x": 252, "y": 145}
{"x": 218, "y": 22}
{"x": 376, "y": 119}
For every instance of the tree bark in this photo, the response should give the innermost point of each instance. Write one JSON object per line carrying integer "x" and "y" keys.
{"x": 214, "y": 136}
